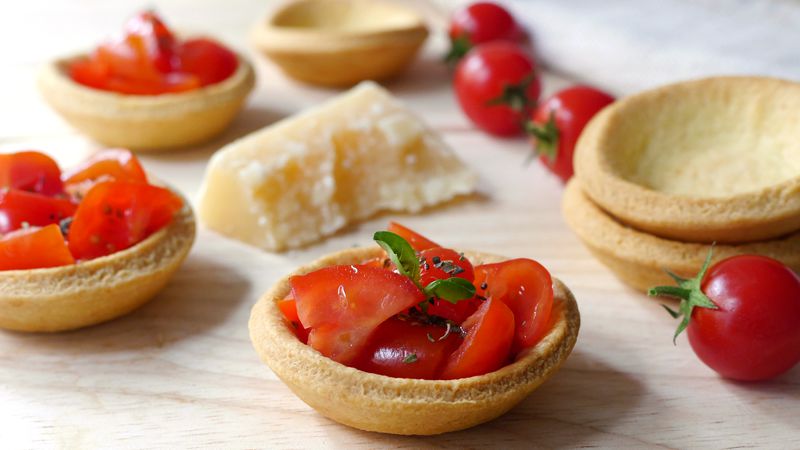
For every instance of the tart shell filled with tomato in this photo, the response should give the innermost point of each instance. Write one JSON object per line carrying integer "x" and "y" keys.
{"x": 393, "y": 404}
{"x": 132, "y": 92}
{"x": 84, "y": 246}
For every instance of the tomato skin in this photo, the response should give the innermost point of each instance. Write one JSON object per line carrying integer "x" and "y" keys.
{"x": 343, "y": 305}
{"x": 395, "y": 340}
{"x": 20, "y": 207}
{"x": 417, "y": 241}
{"x": 526, "y": 287}
{"x": 490, "y": 333}
{"x": 457, "y": 312}
{"x": 209, "y": 61}
{"x": 115, "y": 163}
{"x": 571, "y": 108}
{"x": 481, "y": 78}
{"x": 483, "y": 22}
{"x": 34, "y": 248}
{"x": 30, "y": 171}
{"x": 755, "y": 333}
{"x": 147, "y": 59}
{"x": 435, "y": 261}
{"x": 288, "y": 307}
{"x": 116, "y": 215}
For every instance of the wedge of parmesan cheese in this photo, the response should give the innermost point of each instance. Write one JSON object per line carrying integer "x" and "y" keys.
{"x": 309, "y": 175}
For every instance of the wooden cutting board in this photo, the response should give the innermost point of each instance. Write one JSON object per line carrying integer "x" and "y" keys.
{"x": 180, "y": 372}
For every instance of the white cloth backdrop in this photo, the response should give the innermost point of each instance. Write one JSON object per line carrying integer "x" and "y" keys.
{"x": 628, "y": 45}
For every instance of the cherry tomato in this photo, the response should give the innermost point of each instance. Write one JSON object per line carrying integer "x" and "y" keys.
{"x": 558, "y": 122}
{"x": 526, "y": 287}
{"x": 440, "y": 263}
{"x": 34, "y": 248}
{"x": 30, "y": 171}
{"x": 755, "y": 333}
{"x": 342, "y": 305}
{"x": 496, "y": 84}
{"x": 288, "y": 308}
{"x": 418, "y": 242}
{"x": 399, "y": 348}
{"x": 112, "y": 164}
{"x": 18, "y": 208}
{"x": 116, "y": 215}
{"x": 478, "y": 23}
{"x": 207, "y": 60}
{"x": 490, "y": 333}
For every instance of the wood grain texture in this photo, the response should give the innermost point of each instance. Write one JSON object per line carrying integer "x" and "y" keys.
{"x": 181, "y": 372}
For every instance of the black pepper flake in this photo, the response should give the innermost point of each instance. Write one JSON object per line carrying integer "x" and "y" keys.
{"x": 436, "y": 260}
{"x": 64, "y": 225}
{"x": 484, "y": 285}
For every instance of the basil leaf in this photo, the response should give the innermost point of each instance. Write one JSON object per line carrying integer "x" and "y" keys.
{"x": 400, "y": 252}
{"x": 451, "y": 289}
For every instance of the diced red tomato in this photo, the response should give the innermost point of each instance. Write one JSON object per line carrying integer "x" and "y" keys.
{"x": 18, "y": 208}
{"x": 399, "y": 348}
{"x": 30, "y": 171}
{"x": 112, "y": 164}
{"x": 457, "y": 312}
{"x": 441, "y": 263}
{"x": 116, "y": 215}
{"x": 147, "y": 59}
{"x": 207, "y": 60}
{"x": 34, "y": 248}
{"x": 418, "y": 242}
{"x": 342, "y": 305}
{"x": 288, "y": 308}
{"x": 490, "y": 333}
{"x": 527, "y": 288}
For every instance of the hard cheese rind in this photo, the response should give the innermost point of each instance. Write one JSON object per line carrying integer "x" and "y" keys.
{"x": 307, "y": 176}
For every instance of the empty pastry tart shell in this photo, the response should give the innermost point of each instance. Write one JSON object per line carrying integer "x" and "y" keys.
{"x": 401, "y": 405}
{"x": 756, "y": 215}
{"x": 90, "y": 292}
{"x": 639, "y": 259}
{"x": 146, "y": 122}
{"x": 333, "y": 57}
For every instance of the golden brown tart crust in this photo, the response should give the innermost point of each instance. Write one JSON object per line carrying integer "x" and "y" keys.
{"x": 400, "y": 405}
{"x": 90, "y": 292}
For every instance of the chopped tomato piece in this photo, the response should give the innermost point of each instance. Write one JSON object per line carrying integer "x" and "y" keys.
{"x": 30, "y": 171}
{"x": 34, "y": 248}
{"x": 116, "y": 215}
{"x": 418, "y": 242}
{"x": 288, "y": 308}
{"x": 156, "y": 39}
{"x": 403, "y": 349}
{"x": 18, "y": 208}
{"x": 457, "y": 312}
{"x": 490, "y": 333}
{"x": 342, "y": 305}
{"x": 527, "y": 288}
{"x": 441, "y": 263}
{"x": 207, "y": 60}
{"x": 112, "y": 164}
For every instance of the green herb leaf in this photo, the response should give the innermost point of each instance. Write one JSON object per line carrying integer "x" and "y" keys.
{"x": 451, "y": 289}
{"x": 400, "y": 252}
{"x": 411, "y": 358}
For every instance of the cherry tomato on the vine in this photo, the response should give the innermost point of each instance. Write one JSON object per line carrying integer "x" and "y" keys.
{"x": 478, "y": 23}
{"x": 750, "y": 330}
{"x": 558, "y": 122}
{"x": 496, "y": 84}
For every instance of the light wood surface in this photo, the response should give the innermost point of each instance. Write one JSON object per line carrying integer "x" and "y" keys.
{"x": 181, "y": 372}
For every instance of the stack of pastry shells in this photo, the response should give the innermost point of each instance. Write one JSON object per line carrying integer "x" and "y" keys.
{"x": 661, "y": 175}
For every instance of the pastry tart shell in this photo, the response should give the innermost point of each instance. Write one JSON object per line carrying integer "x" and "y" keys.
{"x": 400, "y": 405}
{"x": 94, "y": 291}
{"x": 146, "y": 122}
{"x": 302, "y": 38}
{"x": 639, "y": 259}
{"x": 708, "y": 160}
